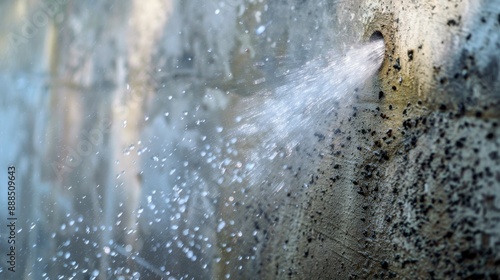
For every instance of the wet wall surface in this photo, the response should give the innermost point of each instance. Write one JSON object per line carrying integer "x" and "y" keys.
{"x": 410, "y": 184}
{"x": 403, "y": 181}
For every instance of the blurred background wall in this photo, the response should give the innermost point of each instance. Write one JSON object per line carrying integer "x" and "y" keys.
{"x": 104, "y": 102}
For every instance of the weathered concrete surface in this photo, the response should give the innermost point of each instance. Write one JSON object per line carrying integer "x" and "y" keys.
{"x": 409, "y": 187}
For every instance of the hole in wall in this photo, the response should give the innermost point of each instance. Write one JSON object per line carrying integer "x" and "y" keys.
{"x": 377, "y": 35}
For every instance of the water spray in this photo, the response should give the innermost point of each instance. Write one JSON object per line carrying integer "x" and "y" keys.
{"x": 291, "y": 116}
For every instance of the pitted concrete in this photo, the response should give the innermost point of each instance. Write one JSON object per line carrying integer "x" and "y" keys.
{"x": 408, "y": 187}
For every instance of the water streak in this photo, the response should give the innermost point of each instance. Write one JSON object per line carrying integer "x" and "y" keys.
{"x": 283, "y": 118}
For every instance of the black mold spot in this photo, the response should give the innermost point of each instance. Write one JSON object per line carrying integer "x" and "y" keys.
{"x": 410, "y": 55}
{"x": 389, "y": 133}
{"x": 384, "y": 155}
{"x": 384, "y": 265}
{"x": 397, "y": 65}
{"x": 452, "y": 22}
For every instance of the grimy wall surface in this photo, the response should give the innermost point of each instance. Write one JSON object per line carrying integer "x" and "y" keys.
{"x": 409, "y": 185}
{"x": 403, "y": 183}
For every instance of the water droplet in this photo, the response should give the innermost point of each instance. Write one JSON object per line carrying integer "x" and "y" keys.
{"x": 120, "y": 174}
{"x": 221, "y": 225}
{"x": 260, "y": 29}
{"x": 141, "y": 151}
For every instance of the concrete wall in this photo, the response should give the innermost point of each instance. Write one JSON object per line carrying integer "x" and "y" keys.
{"x": 408, "y": 184}
{"x": 409, "y": 187}
{"x": 404, "y": 183}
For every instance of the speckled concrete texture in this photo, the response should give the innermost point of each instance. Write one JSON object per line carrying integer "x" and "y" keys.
{"x": 409, "y": 187}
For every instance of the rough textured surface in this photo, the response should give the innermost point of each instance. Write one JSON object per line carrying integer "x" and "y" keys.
{"x": 408, "y": 185}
